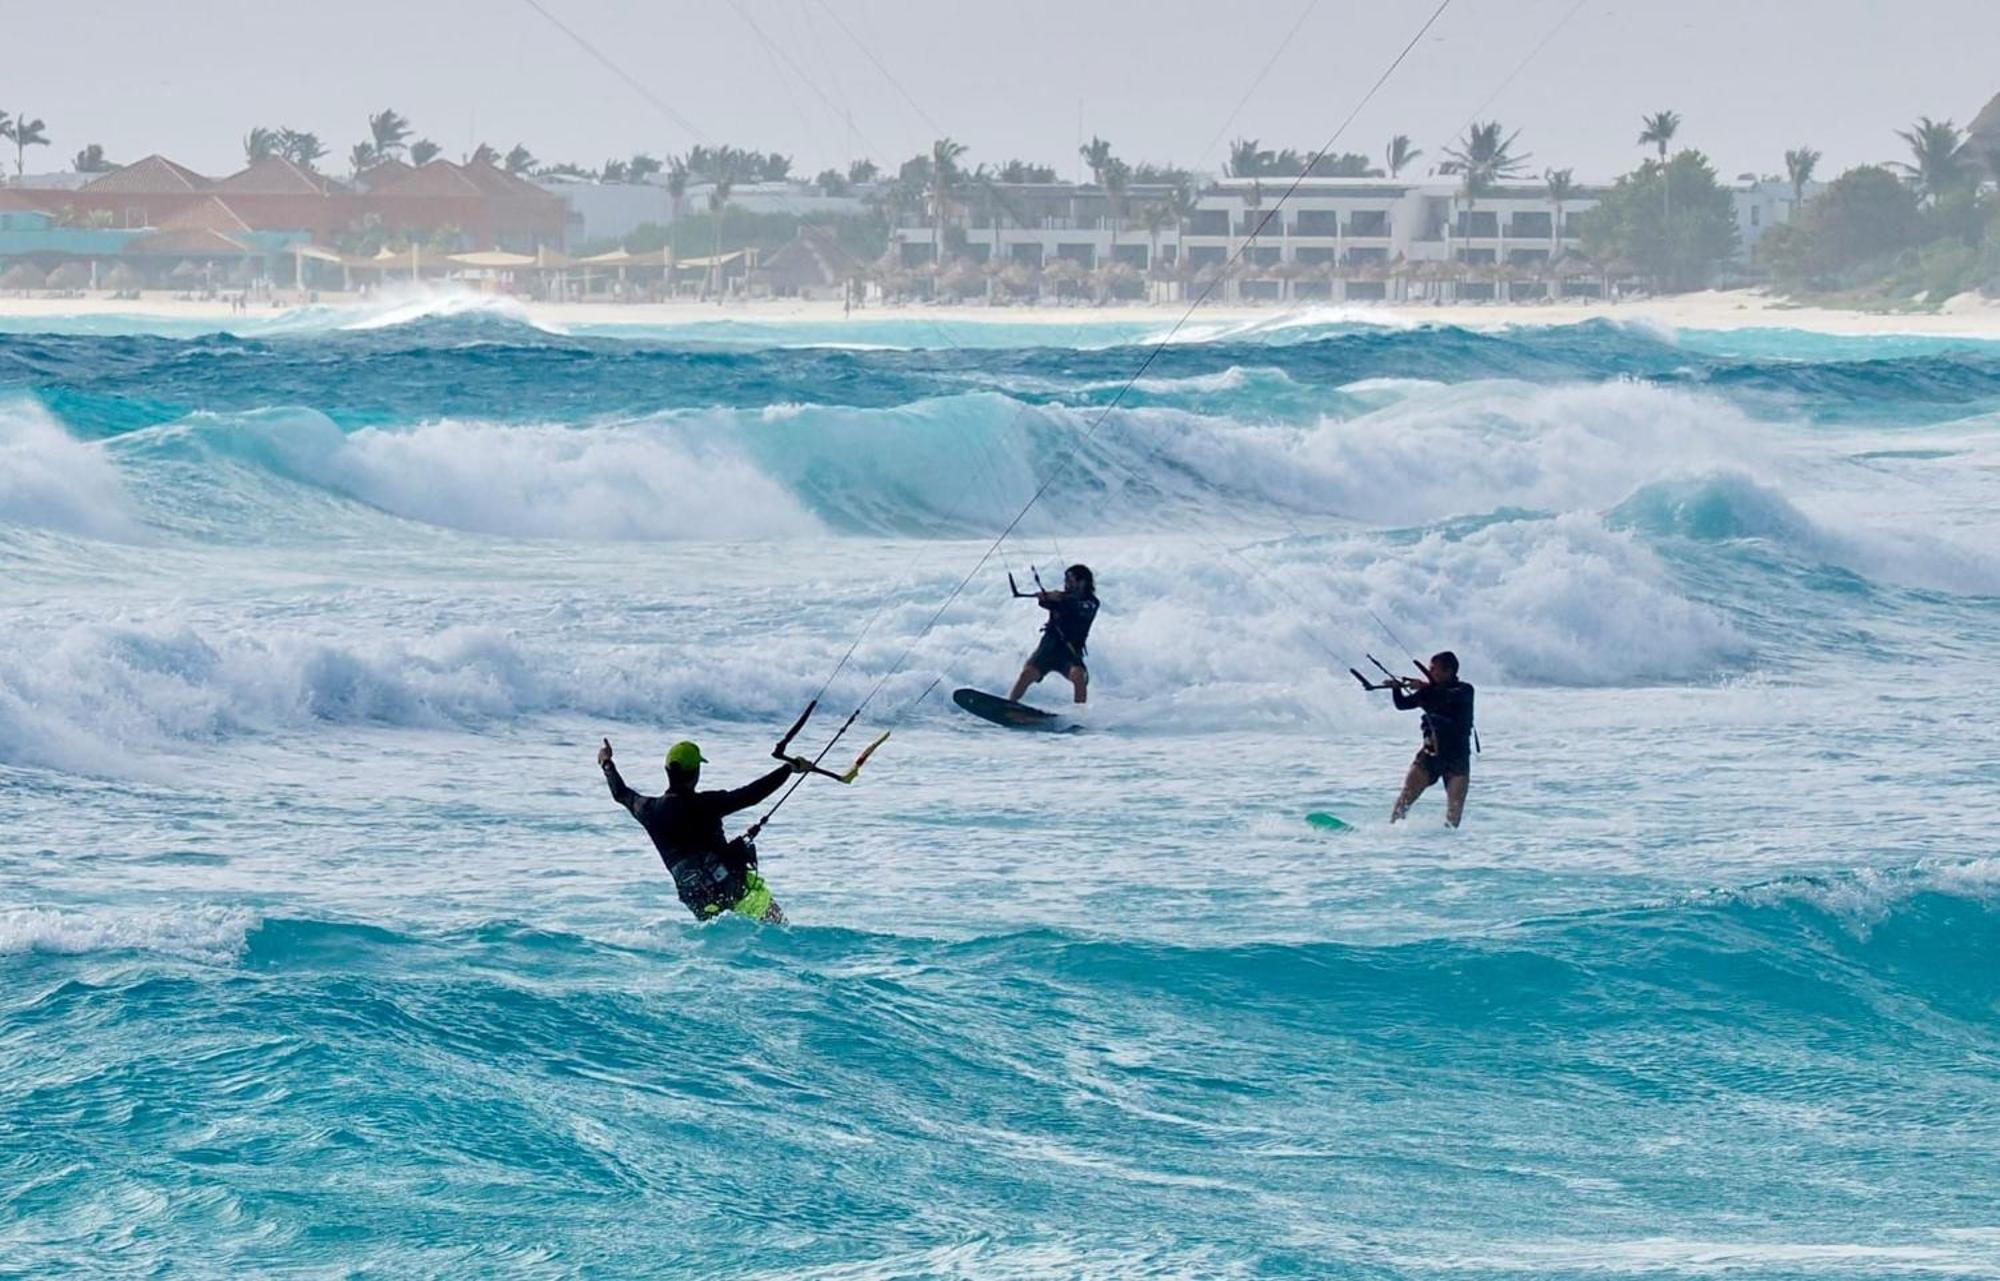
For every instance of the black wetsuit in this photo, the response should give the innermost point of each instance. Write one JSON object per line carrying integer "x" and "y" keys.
{"x": 1447, "y": 708}
{"x": 686, "y": 828}
{"x": 1064, "y": 635}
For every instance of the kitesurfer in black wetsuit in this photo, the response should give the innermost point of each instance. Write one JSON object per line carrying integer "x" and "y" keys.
{"x": 1071, "y": 612}
{"x": 1446, "y": 755}
{"x": 712, "y": 873}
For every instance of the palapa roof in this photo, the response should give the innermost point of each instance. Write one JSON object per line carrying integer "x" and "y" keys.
{"x": 274, "y": 176}
{"x": 154, "y": 176}
{"x": 813, "y": 253}
{"x": 492, "y": 258}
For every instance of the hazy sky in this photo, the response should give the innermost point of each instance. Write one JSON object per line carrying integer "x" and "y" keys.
{"x": 1159, "y": 78}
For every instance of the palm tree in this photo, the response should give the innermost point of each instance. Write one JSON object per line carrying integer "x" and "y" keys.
{"x": 362, "y": 157}
{"x": 944, "y": 177}
{"x": 91, "y": 160}
{"x": 302, "y": 148}
{"x": 483, "y": 154}
{"x": 863, "y": 171}
{"x": 1940, "y": 155}
{"x": 1096, "y": 153}
{"x": 519, "y": 160}
{"x": 25, "y": 133}
{"x": 423, "y": 151}
{"x": 1247, "y": 159}
{"x": 1660, "y": 128}
{"x": 1400, "y": 154}
{"x": 613, "y": 171}
{"x": 1562, "y": 189}
{"x": 389, "y": 128}
{"x": 1481, "y": 159}
{"x": 259, "y": 144}
{"x": 1117, "y": 180}
{"x": 642, "y": 167}
{"x": 718, "y": 200}
{"x": 1799, "y": 164}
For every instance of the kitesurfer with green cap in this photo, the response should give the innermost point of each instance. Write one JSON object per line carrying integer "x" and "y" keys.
{"x": 712, "y": 873}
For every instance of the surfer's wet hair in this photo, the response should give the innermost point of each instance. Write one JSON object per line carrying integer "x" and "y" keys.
{"x": 1082, "y": 574}
{"x": 1445, "y": 659}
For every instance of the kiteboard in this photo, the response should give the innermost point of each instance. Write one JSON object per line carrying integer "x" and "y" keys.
{"x": 1328, "y": 823}
{"x": 1003, "y": 711}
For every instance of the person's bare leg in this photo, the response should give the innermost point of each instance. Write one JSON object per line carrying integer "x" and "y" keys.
{"x": 1414, "y": 785}
{"x": 1079, "y": 676}
{"x": 1030, "y": 675}
{"x": 1454, "y": 798}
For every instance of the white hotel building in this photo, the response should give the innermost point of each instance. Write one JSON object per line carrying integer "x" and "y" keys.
{"x": 1333, "y": 239}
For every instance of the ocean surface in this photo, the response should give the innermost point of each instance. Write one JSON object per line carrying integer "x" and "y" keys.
{"x": 323, "y": 951}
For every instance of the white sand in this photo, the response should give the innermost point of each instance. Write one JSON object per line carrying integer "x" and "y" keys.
{"x": 1967, "y": 316}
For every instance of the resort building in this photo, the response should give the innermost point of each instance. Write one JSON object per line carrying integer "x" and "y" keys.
{"x": 1332, "y": 239}
{"x": 161, "y": 223}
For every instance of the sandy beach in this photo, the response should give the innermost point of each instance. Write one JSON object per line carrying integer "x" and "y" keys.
{"x": 1967, "y": 316}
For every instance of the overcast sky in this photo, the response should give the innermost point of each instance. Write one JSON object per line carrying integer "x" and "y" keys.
{"x": 1160, "y": 78}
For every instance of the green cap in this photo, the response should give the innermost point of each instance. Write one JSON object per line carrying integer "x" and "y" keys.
{"x": 685, "y": 755}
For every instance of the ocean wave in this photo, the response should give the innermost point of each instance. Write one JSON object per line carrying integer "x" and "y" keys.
{"x": 50, "y": 480}
{"x": 1405, "y": 453}
{"x": 195, "y": 932}
{"x": 1729, "y": 506}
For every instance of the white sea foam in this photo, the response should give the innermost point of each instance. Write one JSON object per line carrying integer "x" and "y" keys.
{"x": 50, "y": 480}
{"x": 199, "y": 932}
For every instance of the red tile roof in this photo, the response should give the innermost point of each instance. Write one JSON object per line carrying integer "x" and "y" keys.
{"x": 207, "y": 214}
{"x": 273, "y": 176}
{"x": 153, "y": 176}
{"x": 190, "y": 243}
{"x": 438, "y": 178}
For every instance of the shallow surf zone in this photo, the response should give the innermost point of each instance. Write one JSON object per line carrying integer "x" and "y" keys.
{"x": 322, "y": 948}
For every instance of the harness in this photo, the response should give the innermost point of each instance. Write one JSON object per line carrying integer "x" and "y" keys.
{"x": 712, "y": 882}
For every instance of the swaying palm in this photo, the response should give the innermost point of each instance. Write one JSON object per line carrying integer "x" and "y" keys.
{"x": 1400, "y": 154}
{"x": 1660, "y": 128}
{"x": 1799, "y": 165}
{"x": 390, "y": 128}
{"x": 1483, "y": 157}
{"x": 1940, "y": 156}
{"x": 25, "y": 133}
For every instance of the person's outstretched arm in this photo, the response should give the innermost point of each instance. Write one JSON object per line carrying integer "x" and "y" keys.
{"x": 742, "y": 798}
{"x": 1409, "y": 696}
{"x": 619, "y": 791}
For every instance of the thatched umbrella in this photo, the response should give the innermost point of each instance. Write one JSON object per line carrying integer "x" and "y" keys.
{"x": 185, "y": 270}
{"x": 22, "y": 275}
{"x": 1020, "y": 278}
{"x": 1064, "y": 272}
{"x": 960, "y": 278}
{"x": 70, "y": 275}
{"x": 121, "y": 278}
{"x": 1112, "y": 275}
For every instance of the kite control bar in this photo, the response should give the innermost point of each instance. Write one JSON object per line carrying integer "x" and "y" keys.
{"x": 814, "y": 767}
{"x": 1037, "y": 594}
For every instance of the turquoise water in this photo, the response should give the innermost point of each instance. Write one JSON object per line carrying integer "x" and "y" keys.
{"x": 322, "y": 950}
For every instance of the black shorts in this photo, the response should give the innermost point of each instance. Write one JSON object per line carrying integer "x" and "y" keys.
{"x": 1438, "y": 768}
{"x": 1055, "y": 655}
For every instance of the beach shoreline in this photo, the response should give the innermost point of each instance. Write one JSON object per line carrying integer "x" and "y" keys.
{"x": 1967, "y": 317}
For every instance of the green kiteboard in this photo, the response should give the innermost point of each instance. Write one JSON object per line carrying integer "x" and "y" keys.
{"x": 1326, "y": 822}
